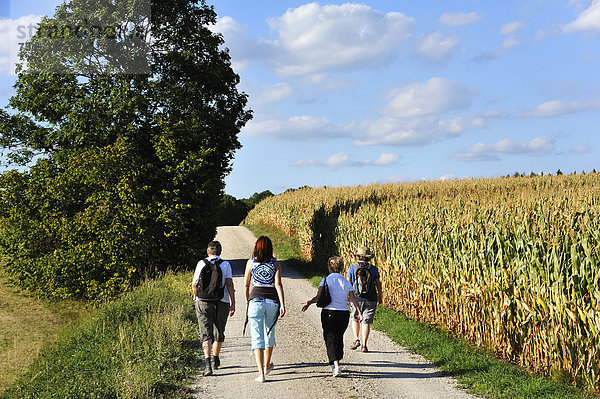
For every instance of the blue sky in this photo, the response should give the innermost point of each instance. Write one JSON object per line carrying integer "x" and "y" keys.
{"x": 353, "y": 93}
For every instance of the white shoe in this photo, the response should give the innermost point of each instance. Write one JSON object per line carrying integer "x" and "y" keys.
{"x": 269, "y": 369}
{"x": 260, "y": 378}
{"x": 336, "y": 371}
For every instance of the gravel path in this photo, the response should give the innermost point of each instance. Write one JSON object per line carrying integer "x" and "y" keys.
{"x": 301, "y": 369}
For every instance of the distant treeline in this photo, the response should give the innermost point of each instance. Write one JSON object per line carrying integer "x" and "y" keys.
{"x": 233, "y": 211}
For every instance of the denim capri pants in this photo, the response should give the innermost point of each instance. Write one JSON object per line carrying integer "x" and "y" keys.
{"x": 262, "y": 314}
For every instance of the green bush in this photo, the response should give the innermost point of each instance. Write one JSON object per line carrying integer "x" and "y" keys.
{"x": 130, "y": 167}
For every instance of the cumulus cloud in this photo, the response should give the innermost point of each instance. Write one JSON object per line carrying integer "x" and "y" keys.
{"x": 588, "y": 19}
{"x": 459, "y": 18}
{"x": 303, "y": 127}
{"x": 414, "y": 132}
{"x": 437, "y": 95}
{"x": 316, "y": 39}
{"x": 13, "y": 32}
{"x": 557, "y": 108}
{"x": 387, "y": 158}
{"x": 342, "y": 159}
{"x": 415, "y": 115}
{"x": 435, "y": 46}
{"x": 490, "y": 152}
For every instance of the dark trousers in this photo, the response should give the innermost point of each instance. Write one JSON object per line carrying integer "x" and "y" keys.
{"x": 334, "y": 323}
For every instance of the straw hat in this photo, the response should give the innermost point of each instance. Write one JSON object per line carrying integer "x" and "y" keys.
{"x": 364, "y": 252}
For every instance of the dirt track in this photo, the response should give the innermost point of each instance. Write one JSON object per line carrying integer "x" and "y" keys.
{"x": 301, "y": 370}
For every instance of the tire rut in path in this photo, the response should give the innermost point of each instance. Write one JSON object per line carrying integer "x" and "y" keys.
{"x": 301, "y": 369}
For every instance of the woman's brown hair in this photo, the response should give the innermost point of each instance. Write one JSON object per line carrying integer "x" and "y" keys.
{"x": 263, "y": 249}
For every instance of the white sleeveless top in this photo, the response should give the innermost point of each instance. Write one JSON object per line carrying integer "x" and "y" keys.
{"x": 263, "y": 274}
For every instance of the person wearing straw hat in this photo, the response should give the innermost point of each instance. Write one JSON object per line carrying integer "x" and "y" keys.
{"x": 365, "y": 279}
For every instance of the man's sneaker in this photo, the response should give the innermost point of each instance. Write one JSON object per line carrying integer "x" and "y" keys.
{"x": 336, "y": 371}
{"x": 260, "y": 378}
{"x": 208, "y": 367}
{"x": 269, "y": 369}
{"x": 355, "y": 344}
{"x": 364, "y": 348}
{"x": 216, "y": 362}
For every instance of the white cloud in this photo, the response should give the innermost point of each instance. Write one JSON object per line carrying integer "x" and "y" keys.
{"x": 557, "y": 108}
{"x": 387, "y": 158}
{"x": 414, "y": 115}
{"x": 342, "y": 159}
{"x": 339, "y": 160}
{"x": 511, "y": 28}
{"x": 581, "y": 149}
{"x": 511, "y": 41}
{"x": 437, "y": 95}
{"x": 588, "y": 19}
{"x": 414, "y": 132}
{"x": 447, "y": 177}
{"x": 306, "y": 162}
{"x": 435, "y": 46}
{"x": 459, "y": 18}
{"x": 316, "y": 39}
{"x": 273, "y": 93}
{"x": 302, "y": 127}
{"x": 13, "y": 32}
{"x": 489, "y": 152}
{"x": 243, "y": 50}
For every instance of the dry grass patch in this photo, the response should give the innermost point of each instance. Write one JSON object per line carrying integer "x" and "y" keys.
{"x": 26, "y": 324}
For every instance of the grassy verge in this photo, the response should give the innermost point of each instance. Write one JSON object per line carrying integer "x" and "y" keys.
{"x": 26, "y": 325}
{"x": 143, "y": 345}
{"x": 474, "y": 368}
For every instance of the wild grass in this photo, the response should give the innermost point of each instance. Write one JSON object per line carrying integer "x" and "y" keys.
{"x": 26, "y": 325}
{"x": 143, "y": 345}
{"x": 474, "y": 368}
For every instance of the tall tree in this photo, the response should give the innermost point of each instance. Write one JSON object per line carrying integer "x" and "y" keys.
{"x": 126, "y": 114}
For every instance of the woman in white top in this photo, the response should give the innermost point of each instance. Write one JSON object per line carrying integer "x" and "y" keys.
{"x": 335, "y": 316}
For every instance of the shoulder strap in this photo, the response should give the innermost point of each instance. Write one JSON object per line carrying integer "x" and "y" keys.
{"x": 217, "y": 262}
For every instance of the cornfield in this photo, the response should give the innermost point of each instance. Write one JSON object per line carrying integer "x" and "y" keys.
{"x": 511, "y": 264}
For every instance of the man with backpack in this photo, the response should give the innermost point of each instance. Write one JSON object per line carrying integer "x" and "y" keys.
{"x": 367, "y": 288}
{"x": 214, "y": 299}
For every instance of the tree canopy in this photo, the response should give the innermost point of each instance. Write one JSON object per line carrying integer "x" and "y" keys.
{"x": 124, "y": 123}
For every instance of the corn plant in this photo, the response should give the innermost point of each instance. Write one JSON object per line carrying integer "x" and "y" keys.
{"x": 510, "y": 264}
